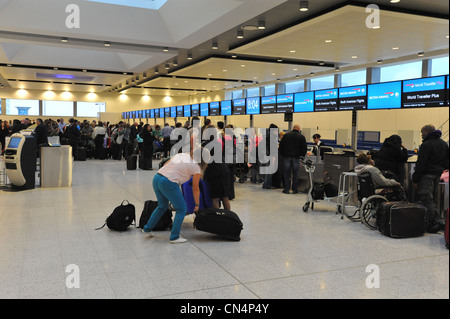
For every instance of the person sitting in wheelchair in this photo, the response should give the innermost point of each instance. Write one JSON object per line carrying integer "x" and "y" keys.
{"x": 389, "y": 188}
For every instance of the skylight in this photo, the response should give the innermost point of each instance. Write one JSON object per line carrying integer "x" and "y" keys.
{"x": 145, "y": 4}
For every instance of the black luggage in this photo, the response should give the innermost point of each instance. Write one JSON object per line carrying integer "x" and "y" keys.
{"x": 121, "y": 218}
{"x": 401, "y": 219}
{"x": 164, "y": 223}
{"x": 102, "y": 153}
{"x": 81, "y": 154}
{"x": 132, "y": 162}
{"x": 145, "y": 163}
{"x": 221, "y": 222}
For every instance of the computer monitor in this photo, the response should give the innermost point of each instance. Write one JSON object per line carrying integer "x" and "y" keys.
{"x": 14, "y": 142}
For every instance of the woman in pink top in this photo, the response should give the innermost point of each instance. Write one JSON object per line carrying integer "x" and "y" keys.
{"x": 166, "y": 184}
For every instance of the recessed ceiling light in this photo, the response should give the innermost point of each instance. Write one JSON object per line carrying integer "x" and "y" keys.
{"x": 354, "y": 57}
{"x": 395, "y": 1}
{"x": 421, "y": 54}
{"x": 321, "y": 63}
{"x": 166, "y": 49}
{"x": 189, "y": 56}
{"x": 240, "y": 34}
{"x": 215, "y": 46}
{"x": 64, "y": 40}
{"x": 292, "y": 51}
{"x": 380, "y": 61}
{"x": 280, "y": 60}
{"x": 107, "y": 44}
{"x": 304, "y": 6}
{"x": 328, "y": 41}
{"x": 395, "y": 48}
{"x": 261, "y": 25}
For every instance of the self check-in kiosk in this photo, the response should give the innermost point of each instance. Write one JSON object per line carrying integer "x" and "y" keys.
{"x": 20, "y": 162}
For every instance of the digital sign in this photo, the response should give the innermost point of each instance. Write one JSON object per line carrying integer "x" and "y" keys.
{"x": 429, "y": 92}
{"x": 384, "y": 96}
{"x": 152, "y": 114}
{"x": 180, "y": 111}
{"x": 253, "y": 105}
{"x": 204, "y": 109}
{"x": 326, "y": 100}
{"x": 285, "y": 103}
{"x": 353, "y": 98}
{"x": 225, "y": 108}
{"x": 187, "y": 111}
{"x": 195, "y": 108}
{"x": 239, "y": 107}
{"x": 157, "y": 113}
{"x": 304, "y": 102}
{"x": 214, "y": 108}
{"x": 268, "y": 104}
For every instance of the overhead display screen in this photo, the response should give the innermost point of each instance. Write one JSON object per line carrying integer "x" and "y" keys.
{"x": 326, "y": 100}
{"x": 384, "y": 96}
{"x": 429, "y": 92}
{"x": 353, "y": 98}
{"x": 195, "y": 108}
{"x": 239, "y": 107}
{"x": 268, "y": 104}
{"x": 152, "y": 114}
{"x": 225, "y": 108}
{"x": 214, "y": 108}
{"x": 285, "y": 103}
{"x": 187, "y": 111}
{"x": 173, "y": 111}
{"x": 304, "y": 102}
{"x": 253, "y": 105}
{"x": 157, "y": 113}
{"x": 180, "y": 111}
{"x": 204, "y": 109}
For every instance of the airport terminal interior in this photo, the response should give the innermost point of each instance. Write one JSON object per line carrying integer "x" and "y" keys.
{"x": 354, "y": 72}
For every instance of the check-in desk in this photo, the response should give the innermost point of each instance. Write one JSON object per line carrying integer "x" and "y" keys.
{"x": 336, "y": 163}
{"x": 56, "y": 166}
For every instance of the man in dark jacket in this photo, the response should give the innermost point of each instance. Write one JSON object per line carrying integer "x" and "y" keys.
{"x": 41, "y": 135}
{"x": 433, "y": 159}
{"x": 73, "y": 135}
{"x": 292, "y": 147}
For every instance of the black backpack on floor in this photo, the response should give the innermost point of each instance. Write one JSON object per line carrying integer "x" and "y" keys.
{"x": 164, "y": 223}
{"x": 121, "y": 218}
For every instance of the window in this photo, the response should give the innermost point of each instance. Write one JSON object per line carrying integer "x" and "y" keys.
{"x": 354, "y": 78}
{"x": 326, "y": 82}
{"x": 57, "y": 108}
{"x": 253, "y": 92}
{"x": 295, "y": 87}
{"x": 236, "y": 95}
{"x": 269, "y": 90}
{"x": 22, "y": 107}
{"x": 90, "y": 109}
{"x": 439, "y": 66}
{"x": 399, "y": 72}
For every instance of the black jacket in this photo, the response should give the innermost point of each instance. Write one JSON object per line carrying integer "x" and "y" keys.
{"x": 433, "y": 157}
{"x": 390, "y": 158}
{"x": 41, "y": 134}
{"x": 293, "y": 145}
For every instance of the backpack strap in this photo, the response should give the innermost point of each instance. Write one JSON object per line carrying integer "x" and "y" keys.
{"x": 101, "y": 227}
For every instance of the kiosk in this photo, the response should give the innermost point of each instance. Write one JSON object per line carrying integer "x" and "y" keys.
{"x": 20, "y": 162}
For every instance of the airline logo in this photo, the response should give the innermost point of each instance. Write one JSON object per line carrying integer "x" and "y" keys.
{"x": 352, "y": 92}
{"x": 326, "y": 95}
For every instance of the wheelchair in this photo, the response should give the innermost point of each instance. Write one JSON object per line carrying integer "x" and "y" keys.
{"x": 362, "y": 205}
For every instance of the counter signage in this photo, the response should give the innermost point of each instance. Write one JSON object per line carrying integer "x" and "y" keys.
{"x": 384, "y": 96}
{"x": 326, "y": 100}
{"x": 225, "y": 108}
{"x": 428, "y": 92}
{"x": 187, "y": 111}
{"x": 239, "y": 107}
{"x": 285, "y": 103}
{"x": 180, "y": 111}
{"x": 214, "y": 108}
{"x": 157, "y": 113}
{"x": 353, "y": 98}
{"x": 304, "y": 102}
{"x": 152, "y": 114}
{"x": 204, "y": 109}
{"x": 253, "y": 105}
{"x": 268, "y": 104}
{"x": 195, "y": 110}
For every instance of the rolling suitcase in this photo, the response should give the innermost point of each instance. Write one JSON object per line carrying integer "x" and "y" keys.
{"x": 221, "y": 222}
{"x": 401, "y": 219}
{"x": 132, "y": 162}
{"x": 81, "y": 154}
{"x": 188, "y": 194}
{"x": 164, "y": 223}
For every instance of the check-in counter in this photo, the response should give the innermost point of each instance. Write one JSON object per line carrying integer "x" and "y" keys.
{"x": 56, "y": 166}
{"x": 336, "y": 163}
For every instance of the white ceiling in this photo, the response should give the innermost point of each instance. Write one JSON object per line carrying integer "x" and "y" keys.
{"x": 143, "y": 39}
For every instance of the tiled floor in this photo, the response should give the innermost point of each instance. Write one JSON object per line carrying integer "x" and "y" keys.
{"x": 284, "y": 253}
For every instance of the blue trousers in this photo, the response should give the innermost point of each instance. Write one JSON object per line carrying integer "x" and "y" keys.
{"x": 167, "y": 191}
{"x": 291, "y": 165}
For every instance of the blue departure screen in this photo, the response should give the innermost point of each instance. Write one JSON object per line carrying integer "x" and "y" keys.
{"x": 304, "y": 102}
{"x": 204, "y": 109}
{"x": 253, "y": 105}
{"x": 353, "y": 98}
{"x": 225, "y": 108}
{"x": 428, "y": 92}
{"x": 385, "y": 96}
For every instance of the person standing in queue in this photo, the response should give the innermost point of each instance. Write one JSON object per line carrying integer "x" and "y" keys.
{"x": 166, "y": 184}
{"x": 433, "y": 159}
{"x": 292, "y": 146}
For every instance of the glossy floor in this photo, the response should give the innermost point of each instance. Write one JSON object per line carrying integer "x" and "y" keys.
{"x": 284, "y": 253}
